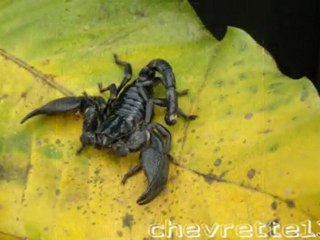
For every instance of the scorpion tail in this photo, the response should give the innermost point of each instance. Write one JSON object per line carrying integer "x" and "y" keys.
{"x": 59, "y": 105}
{"x": 154, "y": 161}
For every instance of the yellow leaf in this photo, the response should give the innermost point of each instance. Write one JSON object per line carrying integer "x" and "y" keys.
{"x": 250, "y": 158}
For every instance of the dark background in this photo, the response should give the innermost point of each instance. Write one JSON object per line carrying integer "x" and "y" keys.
{"x": 288, "y": 29}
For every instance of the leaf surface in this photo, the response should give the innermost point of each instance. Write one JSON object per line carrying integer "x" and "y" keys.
{"x": 251, "y": 156}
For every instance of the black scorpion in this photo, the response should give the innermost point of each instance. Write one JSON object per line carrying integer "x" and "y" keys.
{"x": 124, "y": 124}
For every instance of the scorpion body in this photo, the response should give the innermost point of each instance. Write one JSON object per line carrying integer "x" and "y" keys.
{"x": 128, "y": 113}
{"x": 124, "y": 124}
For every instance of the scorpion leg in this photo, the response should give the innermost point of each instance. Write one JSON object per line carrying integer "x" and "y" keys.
{"x": 163, "y": 103}
{"x": 59, "y": 105}
{"x": 183, "y": 92}
{"x": 186, "y": 116}
{"x": 131, "y": 172}
{"x": 155, "y": 163}
{"x": 114, "y": 91}
{"x": 127, "y": 72}
{"x": 112, "y": 88}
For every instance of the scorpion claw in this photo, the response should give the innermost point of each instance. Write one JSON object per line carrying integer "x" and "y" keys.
{"x": 56, "y": 106}
{"x": 156, "y": 168}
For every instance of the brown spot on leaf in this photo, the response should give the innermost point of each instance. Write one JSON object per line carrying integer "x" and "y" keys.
{"x": 139, "y": 13}
{"x": 237, "y": 63}
{"x": 217, "y": 162}
{"x": 266, "y": 131}
{"x": 274, "y": 148}
{"x": 290, "y": 203}
{"x": 2, "y": 172}
{"x": 3, "y": 96}
{"x": 97, "y": 171}
{"x": 243, "y": 76}
{"x": 119, "y": 233}
{"x": 218, "y": 83}
{"x": 217, "y": 149}
{"x": 274, "y": 205}
{"x": 127, "y": 220}
{"x": 248, "y": 115}
{"x": 210, "y": 178}
{"x": 253, "y": 89}
{"x": 251, "y": 173}
{"x": 24, "y": 94}
{"x": 46, "y": 62}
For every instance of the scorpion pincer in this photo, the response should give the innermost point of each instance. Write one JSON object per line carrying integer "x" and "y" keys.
{"x": 123, "y": 123}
